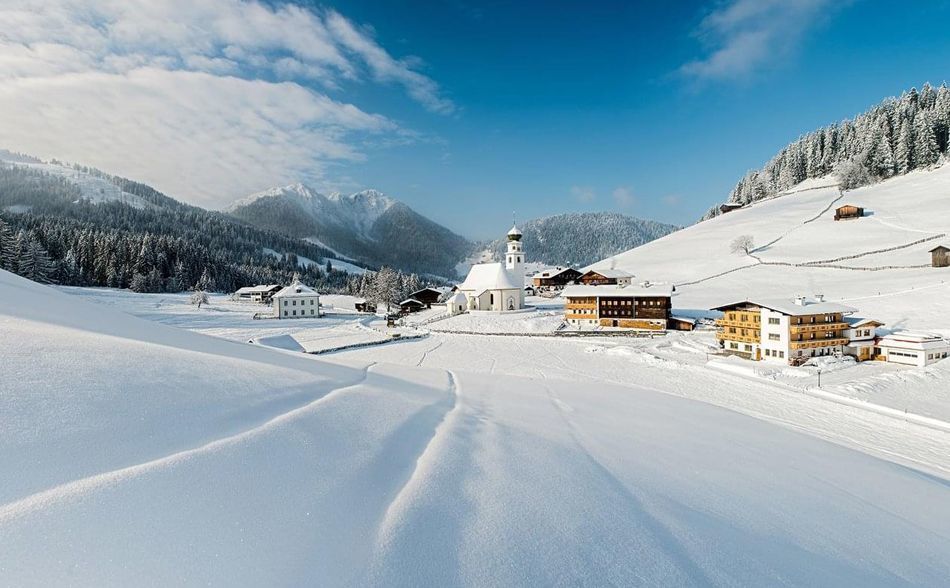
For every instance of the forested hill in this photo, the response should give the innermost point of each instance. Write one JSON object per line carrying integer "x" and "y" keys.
{"x": 582, "y": 238}
{"x": 892, "y": 138}
{"x": 78, "y": 226}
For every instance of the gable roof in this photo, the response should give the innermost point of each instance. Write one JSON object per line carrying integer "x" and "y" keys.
{"x": 458, "y": 298}
{"x": 490, "y": 276}
{"x": 296, "y": 289}
{"x": 260, "y": 288}
{"x": 856, "y": 321}
{"x": 439, "y": 291}
{"x": 791, "y": 308}
{"x": 939, "y": 248}
{"x": 550, "y": 272}
{"x": 610, "y": 273}
{"x": 410, "y": 301}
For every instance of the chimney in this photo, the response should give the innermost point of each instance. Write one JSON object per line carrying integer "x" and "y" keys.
{"x": 800, "y": 300}
{"x": 819, "y": 297}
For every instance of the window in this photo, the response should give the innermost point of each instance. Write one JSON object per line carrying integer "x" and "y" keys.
{"x": 285, "y": 303}
{"x": 285, "y": 313}
{"x": 311, "y": 302}
{"x": 773, "y": 321}
{"x": 775, "y": 337}
{"x": 311, "y": 311}
{"x": 295, "y": 313}
{"x": 295, "y": 304}
{"x": 781, "y": 354}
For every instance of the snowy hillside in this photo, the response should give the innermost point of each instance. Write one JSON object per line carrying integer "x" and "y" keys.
{"x": 366, "y": 226}
{"x": 879, "y": 263}
{"x": 581, "y": 238}
{"x": 93, "y": 186}
{"x": 148, "y": 455}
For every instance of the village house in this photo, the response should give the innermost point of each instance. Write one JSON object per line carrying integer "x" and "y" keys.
{"x": 848, "y": 211}
{"x": 789, "y": 331}
{"x": 919, "y": 349}
{"x": 555, "y": 277}
{"x": 259, "y": 293}
{"x": 297, "y": 301}
{"x": 498, "y": 286}
{"x": 861, "y": 335}
{"x": 411, "y": 305}
{"x": 643, "y": 306}
{"x": 428, "y": 295}
{"x": 603, "y": 277}
{"x": 729, "y": 207}
{"x": 940, "y": 256}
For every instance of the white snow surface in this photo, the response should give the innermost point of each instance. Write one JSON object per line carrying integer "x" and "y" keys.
{"x": 145, "y": 454}
{"x": 799, "y": 228}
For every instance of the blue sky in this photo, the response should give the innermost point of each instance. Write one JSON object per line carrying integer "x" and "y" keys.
{"x": 466, "y": 111}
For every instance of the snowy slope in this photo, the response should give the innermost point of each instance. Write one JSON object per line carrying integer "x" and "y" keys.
{"x": 95, "y": 189}
{"x": 799, "y": 249}
{"x": 146, "y": 455}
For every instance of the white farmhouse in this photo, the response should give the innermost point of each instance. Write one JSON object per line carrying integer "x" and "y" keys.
{"x": 498, "y": 286}
{"x": 861, "y": 335}
{"x": 297, "y": 301}
{"x": 909, "y": 348}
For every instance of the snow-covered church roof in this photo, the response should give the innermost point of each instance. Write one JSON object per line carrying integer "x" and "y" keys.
{"x": 296, "y": 289}
{"x": 490, "y": 276}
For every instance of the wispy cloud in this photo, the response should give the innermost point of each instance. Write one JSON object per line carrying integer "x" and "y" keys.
{"x": 583, "y": 194}
{"x": 207, "y": 100}
{"x": 624, "y": 197}
{"x": 745, "y": 36}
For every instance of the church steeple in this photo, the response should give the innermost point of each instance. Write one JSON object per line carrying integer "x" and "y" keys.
{"x": 514, "y": 257}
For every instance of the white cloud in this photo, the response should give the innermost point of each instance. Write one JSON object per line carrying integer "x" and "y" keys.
{"x": 624, "y": 197}
{"x": 205, "y": 100}
{"x": 744, "y": 36}
{"x": 583, "y": 194}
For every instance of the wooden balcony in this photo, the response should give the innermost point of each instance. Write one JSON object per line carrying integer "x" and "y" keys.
{"x": 816, "y": 327}
{"x": 738, "y": 324}
{"x": 816, "y": 343}
{"x": 737, "y": 337}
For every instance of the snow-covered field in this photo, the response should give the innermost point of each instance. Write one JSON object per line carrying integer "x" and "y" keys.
{"x": 151, "y": 455}
{"x": 144, "y": 442}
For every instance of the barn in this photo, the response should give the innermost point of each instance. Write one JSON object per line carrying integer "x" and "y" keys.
{"x": 848, "y": 211}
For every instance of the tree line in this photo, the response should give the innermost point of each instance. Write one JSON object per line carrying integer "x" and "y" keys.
{"x": 893, "y": 138}
{"x": 50, "y": 233}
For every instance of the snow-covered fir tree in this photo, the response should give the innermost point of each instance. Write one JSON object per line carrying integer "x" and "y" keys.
{"x": 896, "y": 136}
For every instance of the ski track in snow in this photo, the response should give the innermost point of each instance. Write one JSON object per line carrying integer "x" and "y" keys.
{"x": 75, "y": 490}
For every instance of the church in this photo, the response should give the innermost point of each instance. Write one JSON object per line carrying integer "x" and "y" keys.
{"x": 498, "y": 286}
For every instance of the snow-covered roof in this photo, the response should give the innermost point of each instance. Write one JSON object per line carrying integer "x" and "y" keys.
{"x": 296, "y": 289}
{"x": 684, "y": 319}
{"x": 514, "y": 232}
{"x": 490, "y": 276}
{"x": 458, "y": 298}
{"x": 793, "y": 308}
{"x": 411, "y": 301}
{"x": 611, "y": 273}
{"x": 611, "y": 291}
{"x": 912, "y": 340}
{"x": 261, "y": 288}
{"x": 939, "y": 248}
{"x": 856, "y": 321}
{"x": 438, "y": 291}
{"x": 550, "y": 272}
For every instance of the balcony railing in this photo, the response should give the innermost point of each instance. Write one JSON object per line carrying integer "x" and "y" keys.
{"x": 816, "y": 327}
{"x": 723, "y": 336}
{"x": 816, "y": 343}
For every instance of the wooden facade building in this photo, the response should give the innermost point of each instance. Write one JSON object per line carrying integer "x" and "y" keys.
{"x": 555, "y": 277}
{"x": 626, "y": 307}
{"x": 789, "y": 331}
{"x": 848, "y": 211}
{"x": 606, "y": 277}
{"x": 940, "y": 256}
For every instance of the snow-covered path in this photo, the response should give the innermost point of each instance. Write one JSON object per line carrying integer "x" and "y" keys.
{"x": 146, "y": 455}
